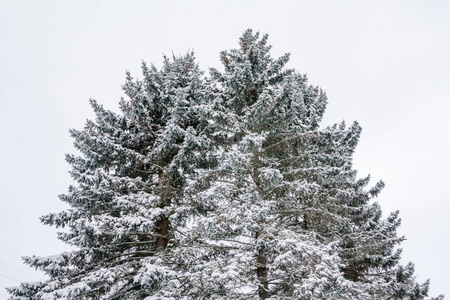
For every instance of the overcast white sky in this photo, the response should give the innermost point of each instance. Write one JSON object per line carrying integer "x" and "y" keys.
{"x": 385, "y": 64}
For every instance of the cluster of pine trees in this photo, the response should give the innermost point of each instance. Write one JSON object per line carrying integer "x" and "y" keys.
{"x": 221, "y": 187}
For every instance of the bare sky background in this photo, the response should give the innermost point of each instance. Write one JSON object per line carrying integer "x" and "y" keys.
{"x": 385, "y": 64}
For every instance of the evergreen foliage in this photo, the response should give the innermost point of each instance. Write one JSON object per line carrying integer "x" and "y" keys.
{"x": 221, "y": 187}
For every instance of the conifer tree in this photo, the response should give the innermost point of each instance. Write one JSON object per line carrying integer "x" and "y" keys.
{"x": 129, "y": 181}
{"x": 288, "y": 218}
{"x": 222, "y": 187}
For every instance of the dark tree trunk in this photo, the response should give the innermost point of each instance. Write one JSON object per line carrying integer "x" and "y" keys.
{"x": 163, "y": 234}
{"x": 261, "y": 271}
{"x": 163, "y": 225}
{"x": 261, "y": 259}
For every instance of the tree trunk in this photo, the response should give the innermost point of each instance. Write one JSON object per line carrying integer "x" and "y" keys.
{"x": 261, "y": 259}
{"x": 163, "y": 234}
{"x": 163, "y": 225}
{"x": 261, "y": 271}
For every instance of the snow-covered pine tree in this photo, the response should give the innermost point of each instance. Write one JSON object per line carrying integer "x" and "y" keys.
{"x": 287, "y": 217}
{"x": 128, "y": 195}
{"x": 222, "y": 188}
